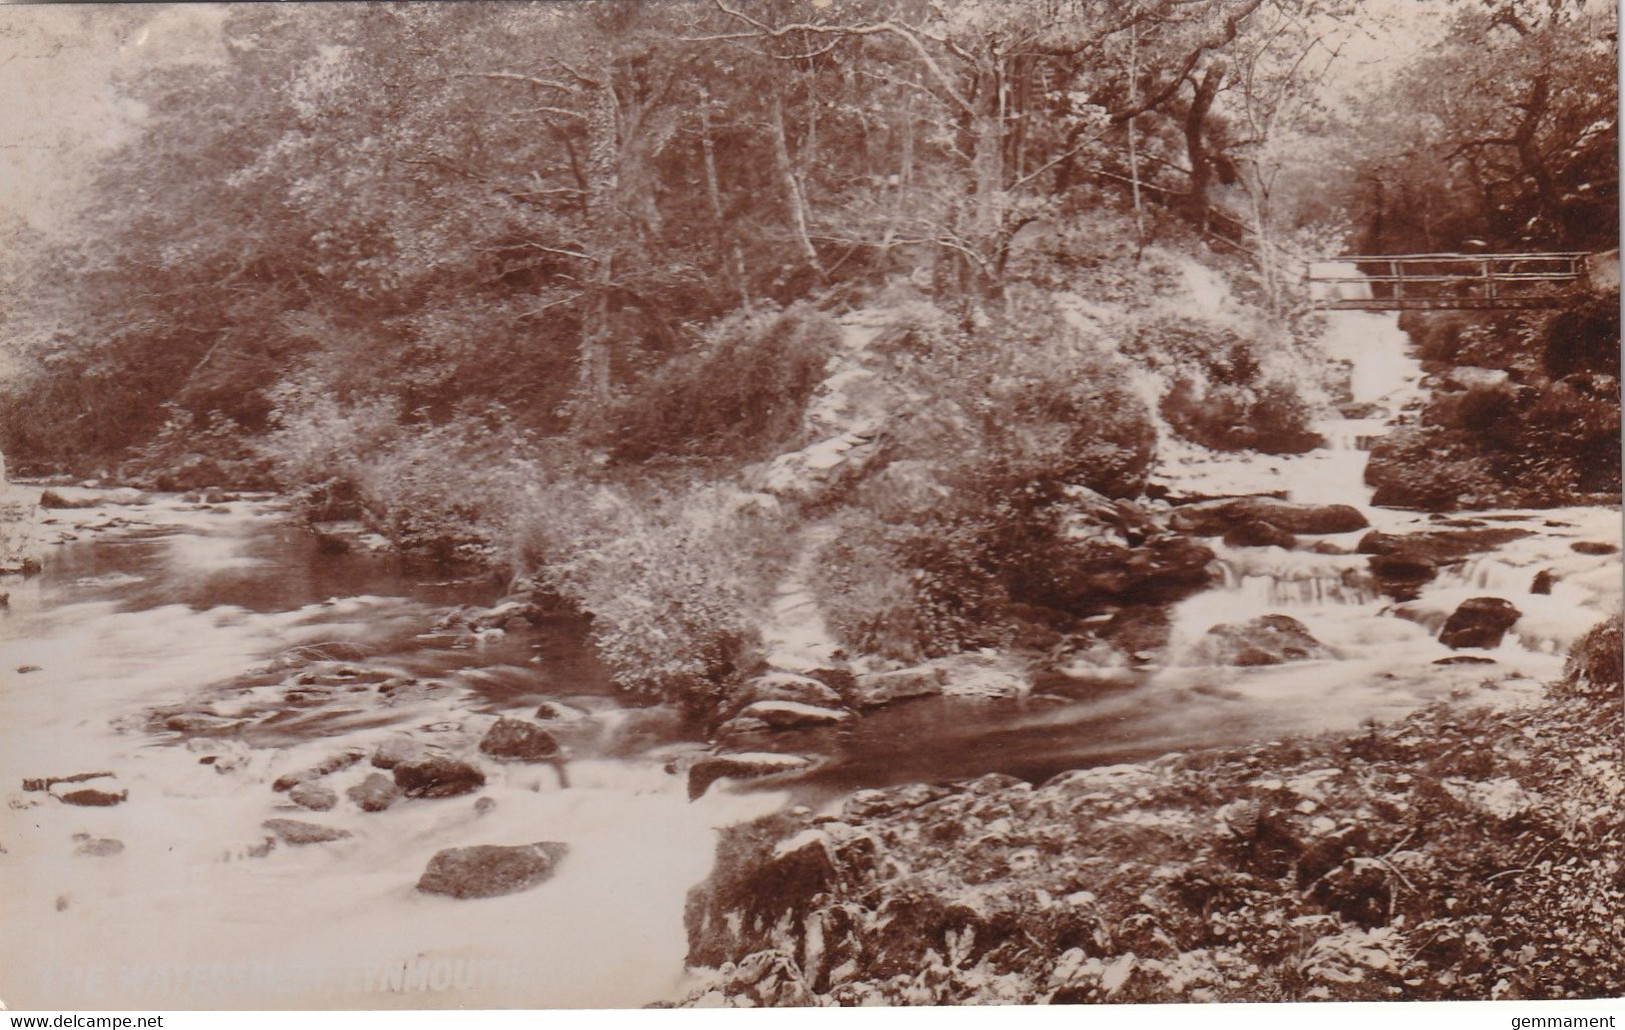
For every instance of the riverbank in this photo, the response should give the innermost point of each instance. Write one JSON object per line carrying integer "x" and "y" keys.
{"x": 1454, "y": 853}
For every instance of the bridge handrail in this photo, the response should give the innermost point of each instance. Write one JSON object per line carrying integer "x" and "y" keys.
{"x": 1500, "y": 277}
{"x": 1554, "y": 255}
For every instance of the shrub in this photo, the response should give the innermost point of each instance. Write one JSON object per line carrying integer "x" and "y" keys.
{"x": 1272, "y": 418}
{"x": 1584, "y": 338}
{"x": 189, "y": 453}
{"x": 1437, "y": 335}
{"x": 436, "y": 488}
{"x": 1025, "y": 400}
{"x": 674, "y": 579}
{"x": 741, "y": 394}
{"x": 960, "y": 547}
{"x": 1595, "y": 662}
{"x": 1575, "y": 433}
{"x": 1489, "y": 414}
{"x": 1427, "y": 468}
{"x": 903, "y": 591}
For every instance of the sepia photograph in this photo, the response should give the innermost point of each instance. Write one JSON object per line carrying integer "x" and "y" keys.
{"x": 809, "y": 503}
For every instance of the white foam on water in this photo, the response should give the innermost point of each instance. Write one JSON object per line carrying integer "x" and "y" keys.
{"x": 186, "y": 915}
{"x": 1386, "y": 650}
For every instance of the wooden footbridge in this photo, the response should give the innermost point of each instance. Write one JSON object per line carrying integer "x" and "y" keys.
{"x": 1425, "y": 282}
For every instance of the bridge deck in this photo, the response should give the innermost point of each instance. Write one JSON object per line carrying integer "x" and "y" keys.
{"x": 1425, "y": 282}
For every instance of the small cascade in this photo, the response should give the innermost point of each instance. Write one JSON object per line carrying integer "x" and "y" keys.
{"x": 1386, "y": 652}
{"x": 1297, "y": 585}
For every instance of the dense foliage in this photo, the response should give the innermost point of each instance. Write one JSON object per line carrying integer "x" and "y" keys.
{"x": 1540, "y": 428}
{"x": 509, "y": 280}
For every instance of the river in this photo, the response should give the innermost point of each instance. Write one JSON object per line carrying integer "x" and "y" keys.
{"x": 173, "y": 606}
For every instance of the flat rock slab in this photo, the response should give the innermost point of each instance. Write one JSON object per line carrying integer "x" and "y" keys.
{"x": 293, "y": 831}
{"x": 744, "y": 766}
{"x": 326, "y": 767}
{"x": 491, "y": 870}
{"x": 1212, "y": 518}
{"x": 784, "y": 715}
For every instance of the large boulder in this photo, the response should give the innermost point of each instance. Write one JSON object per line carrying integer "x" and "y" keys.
{"x": 520, "y": 741}
{"x": 53, "y": 500}
{"x": 1268, "y": 640}
{"x": 491, "y": 870}
{"x": 873, "y": 689}
{"x": 817, "y": 471}
{"x": 1402, "y": 576}
{"x": 786, "y": 686}
{"x": 397, "y": 749}
{"x": 1214, "y": 518}
{"x": 1479, "y": 622}
{"x": 437, "y": 777}
{"x": 749, "y": 766}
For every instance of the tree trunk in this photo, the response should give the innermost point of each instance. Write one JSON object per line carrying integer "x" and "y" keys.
{"x": 602, "y": 229}
{"x": 1258, "y": 207}
{"x": 1529, "y": 155}
{"x": 1196, "y": 142}
{"x": 987, "y": 174}
{"x": 714, "y": 191}
{"x": 1134, "y": 144}
{"x": 793, "y": 198}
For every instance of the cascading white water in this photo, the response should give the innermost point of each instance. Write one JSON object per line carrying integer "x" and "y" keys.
{"x": 1386, "y": 650}
{"x": 192, "y": 913}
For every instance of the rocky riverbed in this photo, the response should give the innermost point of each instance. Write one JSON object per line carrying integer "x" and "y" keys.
{"x": 1455, "y": 853}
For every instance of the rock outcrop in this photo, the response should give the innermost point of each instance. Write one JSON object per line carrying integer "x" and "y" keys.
{"x": 1320, "y": 868}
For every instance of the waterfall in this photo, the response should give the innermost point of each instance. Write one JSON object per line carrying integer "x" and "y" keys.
{"x": 1385, "y": 650}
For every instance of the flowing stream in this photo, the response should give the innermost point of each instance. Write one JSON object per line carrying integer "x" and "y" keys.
{"x": 214, "y": 606}
{"x": 188, "y": 914}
